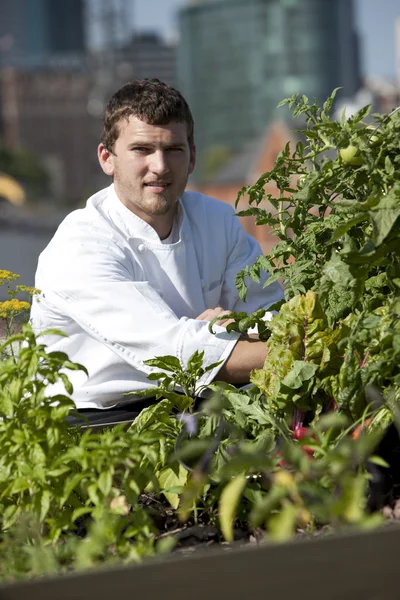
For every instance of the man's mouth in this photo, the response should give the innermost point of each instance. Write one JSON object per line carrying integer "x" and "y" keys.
{"x": 157, "y": 184}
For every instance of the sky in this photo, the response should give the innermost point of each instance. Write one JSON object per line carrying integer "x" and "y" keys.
{"x": 374, "y": 22}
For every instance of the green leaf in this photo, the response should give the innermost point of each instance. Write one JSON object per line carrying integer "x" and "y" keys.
{"x": 93, "y": 494}
{"x": 195, "y": 362}
{"x": 228, "y": 503}
{"x": 259, "y": 414}
{"x": 6, "y": 404}
{"x": 167, "y": 363}
{"x": 152, "y": 392}
{"x": 360, "y": 114}
{"x": 105, "y": 482}
{"x": 75, "y": 367}
{"x": 389, "y": 168}
{"x": 282, "y": 525}
{"x": 156, "y": 376}
{"x": 20, "y": 484}
{"x": 80, "y": 512}
{"x": 337, "y": 271}
{"x": 52, "y": 332}
{"x": 181, "y": 401}
{"x": 377, "y": 460}
{"x": 383, "y": 220}
{"x": 159, "y": 412}
{"x": 45, "y": 503}
{"x": 213, "y": 366}
{"x": 345, "y": 227}
{"x": 67, "y": 384}
{"x": 241, "y": 286}
{"x": 60, "y": 356}
{"x": 69, "y": 486}
{"x": 302, "y": 371}
{"x": 10, "y": 515}
{"x": 169, "y": 478}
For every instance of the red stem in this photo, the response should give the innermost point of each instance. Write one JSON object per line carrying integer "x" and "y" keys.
{"x": 364, "y": 360}
{"x": 297, "y": 419}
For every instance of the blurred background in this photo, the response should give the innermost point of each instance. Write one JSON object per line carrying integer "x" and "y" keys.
{"x": 234, "y": 60}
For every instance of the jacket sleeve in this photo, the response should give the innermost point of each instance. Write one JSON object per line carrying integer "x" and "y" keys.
{"x": 243, "y": 251}
{"x": 93, "y": 286}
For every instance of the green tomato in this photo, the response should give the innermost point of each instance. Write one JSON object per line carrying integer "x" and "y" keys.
{"x": 374, "y": 139}
{"x": 301, "y": 181}
{"x": 351, "y": 156}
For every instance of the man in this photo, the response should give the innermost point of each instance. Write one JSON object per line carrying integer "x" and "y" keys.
{"x": 143, "y": 268}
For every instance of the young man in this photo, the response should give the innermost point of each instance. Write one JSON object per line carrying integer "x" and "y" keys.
{"x": 143, "y": 268}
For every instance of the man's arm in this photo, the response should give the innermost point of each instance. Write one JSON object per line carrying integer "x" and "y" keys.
{"x": 249, "y": 353}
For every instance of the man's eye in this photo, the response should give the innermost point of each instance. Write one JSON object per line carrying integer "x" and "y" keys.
{"x": 139, "y": 149}
{"x": 174, "y": 149}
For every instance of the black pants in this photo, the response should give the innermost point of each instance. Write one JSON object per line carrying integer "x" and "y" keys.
{"x": 124, "y": 414}
{"x": 110, "y": 416}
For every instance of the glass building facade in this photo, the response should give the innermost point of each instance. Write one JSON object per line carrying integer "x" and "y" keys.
{"x": 34, "y": 32}
{"x": 239, "y": 58}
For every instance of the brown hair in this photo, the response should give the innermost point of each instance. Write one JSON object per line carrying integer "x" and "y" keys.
{"x": 152, "y": 101}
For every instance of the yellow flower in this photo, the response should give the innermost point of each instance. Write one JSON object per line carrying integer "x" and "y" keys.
{"x": 7, "y": 276}
{"x": 12, "y": 307}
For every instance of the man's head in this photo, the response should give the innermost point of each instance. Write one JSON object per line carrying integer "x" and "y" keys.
{"x": 147, "y": 147}
{"x": 151, "y": 101}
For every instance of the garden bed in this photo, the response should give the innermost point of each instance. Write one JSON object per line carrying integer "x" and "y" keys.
{"x": 311, "y": 448}
{"x": 357, "y": 566}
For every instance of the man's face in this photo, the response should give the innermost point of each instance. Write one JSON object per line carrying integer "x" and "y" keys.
{"x": 150, "y": 165}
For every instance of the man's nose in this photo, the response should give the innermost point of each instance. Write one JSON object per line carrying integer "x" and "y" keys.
{"x": 159, "y": 163}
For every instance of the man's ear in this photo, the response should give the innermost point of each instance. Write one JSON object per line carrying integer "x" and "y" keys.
{"x": 192, "y": 162}
{"x": 106, "y": 159}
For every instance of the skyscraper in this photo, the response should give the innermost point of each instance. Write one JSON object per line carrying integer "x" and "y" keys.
{"x": 33, "y": 33}
{"x": 239, "y": 58}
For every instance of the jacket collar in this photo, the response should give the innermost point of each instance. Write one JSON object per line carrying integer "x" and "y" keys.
{"x": 133, "y": 225}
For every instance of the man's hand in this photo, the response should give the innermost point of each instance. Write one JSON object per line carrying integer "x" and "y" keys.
{"x": 212, "y": 313}
{"x": 248, "y": 354}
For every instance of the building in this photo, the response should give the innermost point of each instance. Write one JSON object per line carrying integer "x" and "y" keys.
{"x": 239, "y": 58}
{"x": 52, "y": 94}
{"x": 109, "y": 23}
{"x": 255, "y": 158}
{"x": 397, "y": 51}
{"x": 47, "y": 111}
{"x": 147, "y": 55}
{"x": 40, "y": 33}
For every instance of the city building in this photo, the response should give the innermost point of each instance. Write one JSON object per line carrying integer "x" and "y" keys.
{"x": 148, "y": 55}
{"x": 239, "y": 58}
{"x": 397, "y": 52}
{"x": 53, "y": 93}
{"x": 255, "y": 158}
{"x": 46, "y": 111}
{"x": 109, "y": 23}
{"x": 42, "y": 33}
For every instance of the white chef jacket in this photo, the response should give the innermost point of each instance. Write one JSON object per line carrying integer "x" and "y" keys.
{"x": 123, "y": 296}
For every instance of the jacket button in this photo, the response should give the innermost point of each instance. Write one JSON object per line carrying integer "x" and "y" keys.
{"x": 141, "y": 248}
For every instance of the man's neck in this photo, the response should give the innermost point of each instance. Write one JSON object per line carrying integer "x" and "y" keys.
{"x": 162, "y": 224}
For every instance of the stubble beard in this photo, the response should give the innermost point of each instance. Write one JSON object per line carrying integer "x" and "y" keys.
{"x": 142, "y": 201}
{"x": 157, "y": 205}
